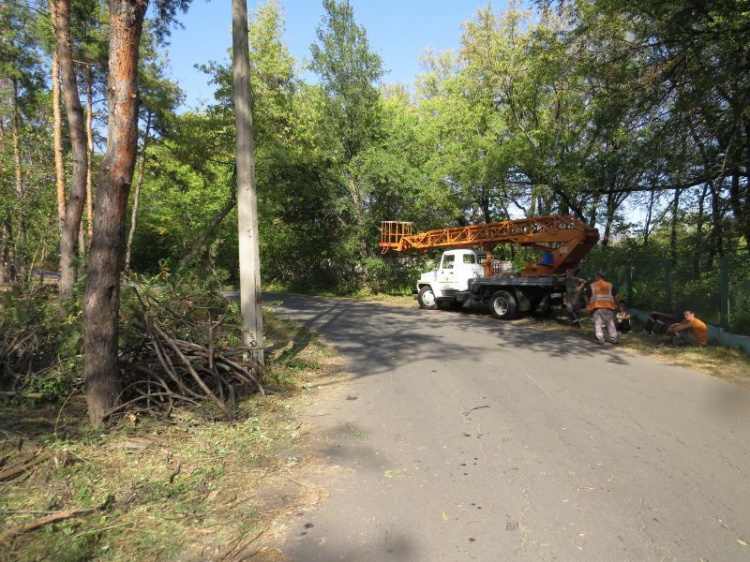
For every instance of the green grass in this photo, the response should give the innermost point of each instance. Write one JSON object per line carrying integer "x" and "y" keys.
{"x": 731, "y": 364}
{"x": 173, "y": 487}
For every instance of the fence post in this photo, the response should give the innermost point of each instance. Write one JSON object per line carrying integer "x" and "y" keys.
{"x": 724, "y": 290}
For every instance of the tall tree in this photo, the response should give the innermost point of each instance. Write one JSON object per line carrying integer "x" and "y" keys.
{"x": 349, "y": 73}
{"x": 74, "y": 110}
{"x": 688, "y": 61}
{"x": 90, "y": 37}
{"x": 101, "y": 303}
{"x": 21, "y": 80}
{"x": 398, "y": 169}
{"x": 58, "y": 132}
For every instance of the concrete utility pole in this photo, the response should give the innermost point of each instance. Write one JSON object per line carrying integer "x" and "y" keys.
{"x": 247, "y": 202}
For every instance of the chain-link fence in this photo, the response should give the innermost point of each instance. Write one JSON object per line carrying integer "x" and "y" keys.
{"x": 735, "y": 293}
{"x": 719, "y": 291}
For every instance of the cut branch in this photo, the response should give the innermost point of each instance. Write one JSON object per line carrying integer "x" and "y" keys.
{"x": 53, "y": 518}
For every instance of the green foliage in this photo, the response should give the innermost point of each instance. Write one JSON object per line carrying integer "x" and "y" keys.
{"x": 377, "y": 274}
{"x": 38, "y": 353}
{"x": 399, "y": 184}
{"x": 627, "y": 114}
{"x": 394, "y": 275}
{"x": 348, "y": 70}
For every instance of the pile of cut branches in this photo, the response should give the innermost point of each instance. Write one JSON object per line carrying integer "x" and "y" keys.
{"x": 184, "y": 349}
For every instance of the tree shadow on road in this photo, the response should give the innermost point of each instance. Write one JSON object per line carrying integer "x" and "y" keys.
{"x": 376, "y": 338}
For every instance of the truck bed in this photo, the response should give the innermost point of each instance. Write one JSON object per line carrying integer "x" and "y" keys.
{"x": 512, "y": 281}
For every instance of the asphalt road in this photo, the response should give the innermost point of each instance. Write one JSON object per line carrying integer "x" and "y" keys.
{"x": 461, "y": 437}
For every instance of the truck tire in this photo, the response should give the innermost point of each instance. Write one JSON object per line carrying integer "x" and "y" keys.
{"x": 426, "y": 298}
{"x": 503, "y": 305}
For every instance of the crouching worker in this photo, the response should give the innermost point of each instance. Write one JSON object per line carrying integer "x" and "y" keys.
{"x": 658, "y": 322}
{"x": 622, "y": 318}
{"x": 692, "y": 332}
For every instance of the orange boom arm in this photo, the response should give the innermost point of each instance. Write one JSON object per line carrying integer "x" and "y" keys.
{"x": 564, "y": 239}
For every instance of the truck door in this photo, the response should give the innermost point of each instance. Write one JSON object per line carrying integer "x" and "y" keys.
{"x": 469, "y": 268}
{"x": 446, "y": 273}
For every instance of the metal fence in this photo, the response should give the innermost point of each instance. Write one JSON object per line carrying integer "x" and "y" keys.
{"x": 720, "y": 295}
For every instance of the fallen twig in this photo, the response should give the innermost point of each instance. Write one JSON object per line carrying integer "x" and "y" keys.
{"x": 13, "y": 471}
{"x": 52, "y": 518}
{"x": 190, "y": 368}
{"x": 12, "y": 394}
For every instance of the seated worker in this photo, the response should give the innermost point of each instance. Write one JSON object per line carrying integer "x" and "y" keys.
{"x": 659, "y": 321}
{"x": 622, "y": 318}
{"x": 692, "y": 332}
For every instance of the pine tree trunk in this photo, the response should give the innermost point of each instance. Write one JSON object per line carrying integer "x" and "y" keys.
{"x": 90, "y": 152}
{"x": 74, "y": 205}
{"x": 42, "y": 260}
{"x": 18, "y": 166}
{"x": 101, "y": 303}
{"x": 6, "y": 245}
{"x": 58, "y": 145}
{"x": 19, "y": 183}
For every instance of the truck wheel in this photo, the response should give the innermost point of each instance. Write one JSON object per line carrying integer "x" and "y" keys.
{"x": 426, "y": 298}
{"x": 503, "y": 305}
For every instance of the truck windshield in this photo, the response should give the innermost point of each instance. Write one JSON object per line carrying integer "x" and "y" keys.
{"x": 469, "y": 258}
{"x": 448, "y": 261}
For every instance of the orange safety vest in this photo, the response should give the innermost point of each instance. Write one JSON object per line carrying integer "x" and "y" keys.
{"x": 601, "y": 296}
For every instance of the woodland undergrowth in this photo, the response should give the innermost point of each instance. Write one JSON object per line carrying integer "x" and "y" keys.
{"x": 200, "y": 433}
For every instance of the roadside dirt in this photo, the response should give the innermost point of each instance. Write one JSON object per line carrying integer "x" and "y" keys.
{"x": 307, "y": 482}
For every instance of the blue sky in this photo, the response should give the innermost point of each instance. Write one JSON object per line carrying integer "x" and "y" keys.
{"x": 398, "y": 30}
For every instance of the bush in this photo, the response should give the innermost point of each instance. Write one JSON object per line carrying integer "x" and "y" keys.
{"x": 39, "y": 353}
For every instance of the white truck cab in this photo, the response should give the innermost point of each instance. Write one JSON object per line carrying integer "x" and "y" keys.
{"x": 454, "y": 270}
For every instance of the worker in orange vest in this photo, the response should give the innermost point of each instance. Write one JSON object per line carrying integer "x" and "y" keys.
{"x": 603, "y": 303}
